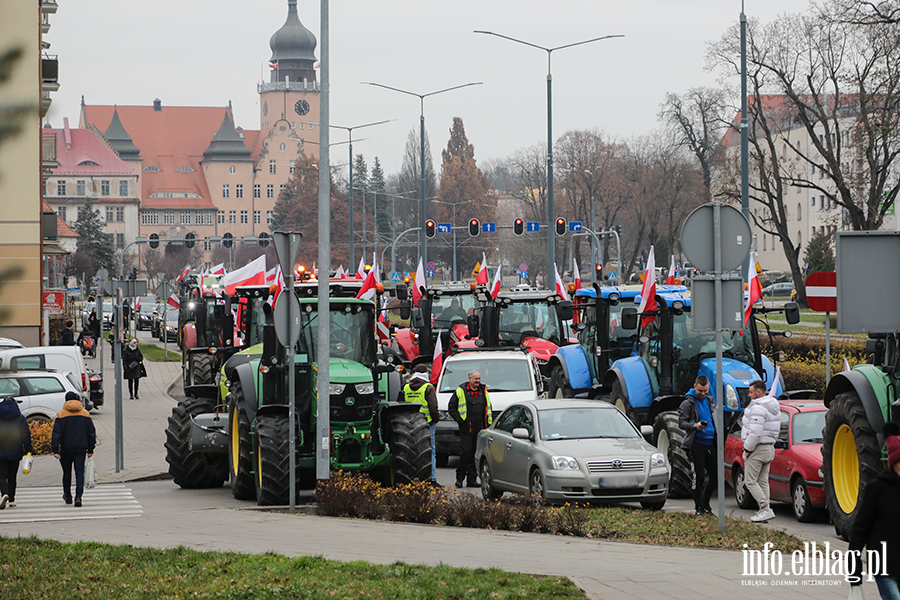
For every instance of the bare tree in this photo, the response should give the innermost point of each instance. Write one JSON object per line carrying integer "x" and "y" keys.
{"x": 860, "y": 12}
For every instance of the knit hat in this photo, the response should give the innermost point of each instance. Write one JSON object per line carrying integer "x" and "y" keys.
{"x": 420, "y": 368}
{"x": 892, "y": 434}
{"x": 72, "y": 396}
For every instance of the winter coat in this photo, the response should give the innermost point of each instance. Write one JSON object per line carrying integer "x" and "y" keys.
{"x": 876, "y": 521}
{"x": 94, "y": 326}
{"x": 132, "y": 363}
{"x": 761, "y": 422}
{"x": 73, "y": 429}
{"x": 67, "y": 337}
{"x": 689, "y": 416}
{"x": 15, "y": 436}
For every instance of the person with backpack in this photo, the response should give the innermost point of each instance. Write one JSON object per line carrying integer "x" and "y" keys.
{"x": 15, "y": 442}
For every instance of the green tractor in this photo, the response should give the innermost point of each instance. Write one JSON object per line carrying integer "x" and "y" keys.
{"x": 859, "y": 403}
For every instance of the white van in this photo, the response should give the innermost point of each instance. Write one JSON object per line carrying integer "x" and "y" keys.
{"x": 60, "y": 358}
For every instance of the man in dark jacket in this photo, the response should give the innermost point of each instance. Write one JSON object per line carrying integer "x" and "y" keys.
{"x": 696, "y": 415}
{"x": 15, "y": 441}
{"x": 470, "y": 407}
{"x": 420, "y": 390}
{"x": 67, "y": 337}
{"x": 73, "y": 437}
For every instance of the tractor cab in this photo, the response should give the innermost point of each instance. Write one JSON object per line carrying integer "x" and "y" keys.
{"x": 442, "y": 312}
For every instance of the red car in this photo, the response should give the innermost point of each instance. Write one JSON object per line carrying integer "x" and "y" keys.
{"x": 795, "y": 475}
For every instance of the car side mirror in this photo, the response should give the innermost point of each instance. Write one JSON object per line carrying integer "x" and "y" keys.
{"x": 520, "y": 433}
{"x": 472, "y": 325}
{"x": 791, "y": 313}
{"x": 781, "y": 443}
{"x": 629, "y": 318}
{"x": 405, "y": 310}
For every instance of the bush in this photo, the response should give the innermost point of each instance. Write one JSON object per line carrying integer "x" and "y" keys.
{"x": 804, "y": 366}
{"x": 350, "y": 495}
{"x": 41, "y": 436}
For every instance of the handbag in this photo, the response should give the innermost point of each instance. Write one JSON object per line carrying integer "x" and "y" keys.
{"x": 90, "y": 473}
{"x": 27, "y": 461}
{"x": 143, "y": 370}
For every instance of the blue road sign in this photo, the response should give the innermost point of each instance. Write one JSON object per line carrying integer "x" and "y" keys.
{"x": 575, "y": 226}
{"x": 612, "y": 276}
{"x": 532, "y": 226}
{"x": 523, "y": 267}
{"x": 395, "y": 276}
{"x": 444, "y": 227}
{"x": 488, "y": 228}
{"x": 431, "y": 273}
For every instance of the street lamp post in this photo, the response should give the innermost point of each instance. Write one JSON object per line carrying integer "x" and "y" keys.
{"x": 423, "y": 250}
{"x": 551, "y": 248}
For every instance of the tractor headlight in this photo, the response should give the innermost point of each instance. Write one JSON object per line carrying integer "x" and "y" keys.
{"x": 564, "y": 463}
{"x": 365, "y": 388}
{"x": 731, "y": 398}
{"x": 336, "y": 389}
{"x": 657, "y": 460}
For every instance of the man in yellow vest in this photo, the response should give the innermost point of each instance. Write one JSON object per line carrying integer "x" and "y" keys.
{"x": 420, "y": 390}
{"x": 470, "y": 407}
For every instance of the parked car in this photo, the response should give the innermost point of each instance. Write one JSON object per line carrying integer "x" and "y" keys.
{"x": 570, "y": 450}
{"x": 40, "y": 393}
{"x": 9, "y": 344}
{"x": 795, "y": 475}
{"x": 778, "y": 290}
{"x": 511, "y": 375}
{"x": 144, "y": 319}
{"x": 63, "y": 358}
{"x": 169, "y": 328}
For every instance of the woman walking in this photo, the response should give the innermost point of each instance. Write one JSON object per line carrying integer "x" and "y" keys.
{"x": 15, "y": 441}
{"x": 133, "y": 360}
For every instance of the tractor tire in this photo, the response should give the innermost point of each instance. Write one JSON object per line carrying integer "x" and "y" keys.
{"x": 851, "y": 457}
{"x": 559, "y": 384}
{"x": 240, "y": 459}
{"x": 191, "y": 470}
{"x": 201, "y": 369}
{"x": 619, "y": 400}
{"x": 667, "y": 437}
{"x": 273, "y": 479}
{"x": 411, "y": 446}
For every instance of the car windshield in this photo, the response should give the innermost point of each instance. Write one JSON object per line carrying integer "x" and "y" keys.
{"x": 692, "y": 343}
{"x": 584, "y": 423}
{"x": 172, "y": 317}
{"x": 450, "y": 310}
{"x": 352, "y": 334}
{"x": 807, "y": 427}
{"x": 529, "y": 319}
{"x": 500, "y": 375}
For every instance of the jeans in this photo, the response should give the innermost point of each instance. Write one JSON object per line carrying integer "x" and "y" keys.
{"x": 68, "y": 460}
{"x": 756, "y": 477}
{"x": 8, "y": 471}
{"x": 705, "y": 473}
{"x": 433, "y": 455}
{"x": 888, "y": 587}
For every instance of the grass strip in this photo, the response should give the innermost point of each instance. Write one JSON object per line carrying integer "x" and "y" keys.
{"x": 34, "y": 568}
{"x": 154, "y": 353}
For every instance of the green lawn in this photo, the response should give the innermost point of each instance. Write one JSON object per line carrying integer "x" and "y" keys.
{"x": 154, "y": 353}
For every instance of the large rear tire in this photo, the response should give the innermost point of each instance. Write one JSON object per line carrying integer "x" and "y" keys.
{"x": 201, "y": 367}
{"x": 618, "y": 398}
{"x": 191, "y": 469}
{"x": 411, "y": 446}
{"x": 240, "y": 460}
{"x": 559, "y": 385}
{"x": 667, "y": 436}
{"x": 272, "y": 481}
{"x": 851, "y": 457}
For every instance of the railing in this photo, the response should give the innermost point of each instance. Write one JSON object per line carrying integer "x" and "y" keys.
{"x": 48, "y": 147}
{"x": 288, "y": 86}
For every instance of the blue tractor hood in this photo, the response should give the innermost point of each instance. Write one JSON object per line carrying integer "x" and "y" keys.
{"x": 735, "y": 375}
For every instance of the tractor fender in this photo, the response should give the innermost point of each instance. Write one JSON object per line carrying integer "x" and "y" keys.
{"x": 857, "y": 381}
{"x": 632, "y": 376}
{"x": 189, "y": 336}
{"x": 409, "y": 347}
{"x": 664, "y": 404}
{"x": 244, "y": 373}
{"x": 383, "y": 410}
{"x": 575, "y": 365}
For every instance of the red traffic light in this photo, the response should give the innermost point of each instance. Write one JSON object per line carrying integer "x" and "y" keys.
{"x": 518, "y": 226}
{"x": 560, "y": 226}
{"x": 429, "y": 228}
{"x": 474, "y": 227}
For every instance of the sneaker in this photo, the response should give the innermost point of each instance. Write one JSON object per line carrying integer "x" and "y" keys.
{"x": 3, "y": 500}
{"x": 77, "y": 502}
{"x": 473, "y": 483}
{"x": 136, "y": 397}
{"x": 11, "y": 504}
{"x": 68, "y": 499}
{"x": 699, "y": 511}
{"x": 763, "y": 516}
{"x": 436, "y": 484}
{"x": 459, "y": 483}
{"x": 708, "y": 509}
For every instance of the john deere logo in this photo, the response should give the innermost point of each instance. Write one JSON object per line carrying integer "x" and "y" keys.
{"x": 350, "y": 401}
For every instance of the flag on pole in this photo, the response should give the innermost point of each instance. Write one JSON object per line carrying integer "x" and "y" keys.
{"x": 576, "y": 274}
{"x": 437, "y": 361}
{"x": 847, "y": 365}
{"x": 482, "y": 277}
{"x": 184, "y": 273}
{"x": 670, "y": 278}
{"x": 340, "y": 274}
{"x": 773, "y": 390}
{"x": 137, "y": 306}
{"x": 368, "y": 288}
{"x": 219, "y": 269}
{"x": 253, "y": 273}
{"x": 419, "y": 283}
{"x": 495, "y": 285}
{"x": 754, "y": 290}
{"x": 361, "y": 269}
{"x": 560, "y": 286}
{"x": 174, "y": 302}
{"x": 279, "y": 282}
{"x": 648, "y": 290}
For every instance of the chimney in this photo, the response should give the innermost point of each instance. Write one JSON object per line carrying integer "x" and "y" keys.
{"x": 157, "y": 105}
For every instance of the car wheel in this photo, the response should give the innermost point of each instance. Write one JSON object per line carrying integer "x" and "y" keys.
{"x": 39, "y": 419}
{"x": 654, "y": 505}
{"x": 536, "y": 484}
{"x": 803, "y": 508}
{"x": 741, "y": 494}
{"x": 487, "y": 483}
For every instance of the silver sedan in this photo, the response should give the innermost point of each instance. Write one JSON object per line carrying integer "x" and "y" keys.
{"x": 570, "y": 450}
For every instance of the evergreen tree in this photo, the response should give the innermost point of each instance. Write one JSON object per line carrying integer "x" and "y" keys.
{"x": 380, "y": 203}
{"x": 819, "y": 254}
{"x": 93, "y": 241}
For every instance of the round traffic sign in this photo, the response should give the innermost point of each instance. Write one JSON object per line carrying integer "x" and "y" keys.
{"x": 430, "y": 266}
{"x": 523, "y": 267}
{"x": 821, "y": 291}
{"x": 698, "y": 233}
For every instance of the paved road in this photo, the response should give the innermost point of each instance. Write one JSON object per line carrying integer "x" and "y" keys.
{"x": 148, "y": 512}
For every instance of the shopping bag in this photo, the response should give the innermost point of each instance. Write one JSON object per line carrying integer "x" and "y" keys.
{"x": 26, "y": 463}
{"x": 90, "y": 473}
{"x": 856, "y": 593}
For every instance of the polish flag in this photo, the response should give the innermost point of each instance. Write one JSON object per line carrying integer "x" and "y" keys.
{"x": 648, "y": 290}
{"x": 219, "y": 269}
{"x": 772, "y": 390}
{"x": 253, "y": 273}
{"x": 482, "y": 277}
{"x": 279, "y": 282}
{"x": 368, "y": 287}
{"x": 437, "y": 361}
{"x": 137, "y": 304}
{"x": 174, "y": 302}
{"x": 754, "y": 289}
{"x": 361, "y": 269}
{"x": 339, "y": 274}
{"x": 270, "y": 275}
{"x": 670, "y": 278}
{"x": 184, "y": 273}
{"x": 560, "y": 286}
{"x": 576, "y": 273}
{"x": 419, "y": 284}
{"x": 495, "y": 285}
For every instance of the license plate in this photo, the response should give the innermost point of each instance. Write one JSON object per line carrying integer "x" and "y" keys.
{"x": 618, "y": 482}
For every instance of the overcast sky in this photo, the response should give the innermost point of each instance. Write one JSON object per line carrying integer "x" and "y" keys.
{"x": 205, "y": 53}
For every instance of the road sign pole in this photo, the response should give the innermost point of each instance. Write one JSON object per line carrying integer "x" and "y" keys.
{"x": 720, "y": 408}
{"x": 117, "y": 345}
{"x": 827, "y": 348}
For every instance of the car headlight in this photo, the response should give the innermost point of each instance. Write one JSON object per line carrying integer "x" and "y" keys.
{"x": 365, "y": 388}
{"x": 336, "y": 389}
{"x": 731, "y": 398}
{"x": 657, "y": 460}
{"x": 564, "y": 463}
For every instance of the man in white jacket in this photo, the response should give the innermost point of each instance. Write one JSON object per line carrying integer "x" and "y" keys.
{"x": 759, "y": 430}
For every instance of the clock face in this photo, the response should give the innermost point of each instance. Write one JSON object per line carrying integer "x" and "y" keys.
{"x": 301, "y": 107}
{"x": 265, "y": 108}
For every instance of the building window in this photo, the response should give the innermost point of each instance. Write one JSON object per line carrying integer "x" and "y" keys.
{"x": 232, "y": 216}
{"x": 79, "y": 187}
{"x": 764, "y": 242}
{"x": 243, "y": 217}
{"x": 109, "y": 214}
{"x": 104, "y": 187}
{"x": 232, "y": 170}
{"x": 239, "y": 190}
{"x": 283, "y": 147}
{"x": 169, "y": 217}
{"x": 269, "y": 215}
{"x": 256, "y": 190}
{"x": 813, "y": 201}
{"x": 198, "y": 217}
{"x": 225, "y": 191}
{"x": 123, "y": 187}
{"x": 272, "y": 167}
{"x": 79, "y": 208}
{"x": 256, "y": 217}
{"x": 61, "y": 187}
{"x": 281, "y": 187}
{"x": 292, "y": 166}
{"x": 120, "y": 214}
{"x": 207, "y": 218}
{"x": 61, "y": 211}
{"x": 221, "y": 217}
{"x": 185, "y": 217}
{"x": 120, "y": 241}
{"x": 799, "y": 211}
{"x": 150, "y": 217}
{"x": 270, "y": 191}
{"x": 207, "y": 245}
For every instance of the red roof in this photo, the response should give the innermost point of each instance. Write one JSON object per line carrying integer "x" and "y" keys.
{"x": 62, "y": 229}
{"x": 85, "y": 147}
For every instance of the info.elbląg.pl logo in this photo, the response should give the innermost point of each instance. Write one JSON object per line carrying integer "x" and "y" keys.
{"x": 813, "y": 561}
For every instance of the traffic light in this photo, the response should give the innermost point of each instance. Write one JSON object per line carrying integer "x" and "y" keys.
{"x": 518, "y": 227}
{"x": 599, "y": 272}
{"x": 429, "y": 228}
{"x": 133, "y": 275}
{"x": 227, "y": 240}
{"x": 154, "y": 240}
{"x": 189, "y": 240}
{"x": 560, "y": 226}
{"x": 474, "y": 227}
{"x": 264, "y": 239}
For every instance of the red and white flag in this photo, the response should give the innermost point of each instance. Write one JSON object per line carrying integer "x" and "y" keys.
{"x": 648, "y": 290}
{"x": 754, "y": 289}
{"x": 279, "y": 283}
{"x": 419, "y": 284}
{"x": 253, "y": 273}
{"x": 369, "y": 285}
{"x": 670, "y": 278}
{"x": 576, "y": 274}
{"x": 482, "y": 277}
{"x": 339, "y": 274}
{"x": 184, "y": 273}
{"x": 774, "y": 388}
{"x": 270, "y": 275}
{"x": 560, "y": 286}
{"x": 437, "y": 361}
{"x": 361, "y": 269}
{"x": 219, "y": 269}
{"x": 174, "y": 302}
{"x": 495, "y": 285}
{"x": 137, "y": 303}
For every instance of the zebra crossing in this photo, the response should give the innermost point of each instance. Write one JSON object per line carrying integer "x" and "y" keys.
{"x": 106, "y": 501}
